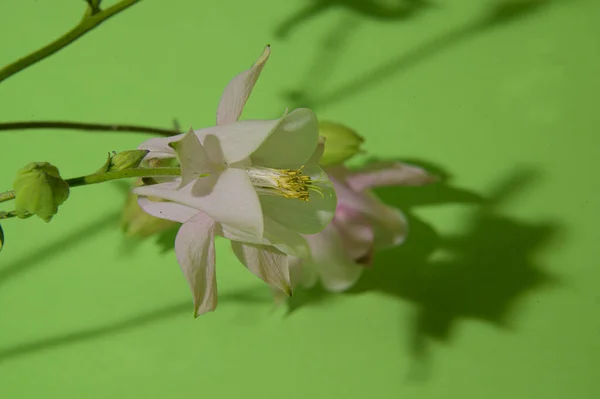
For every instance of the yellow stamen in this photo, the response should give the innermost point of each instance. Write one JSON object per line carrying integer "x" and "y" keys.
{"x": 288, "y": 183}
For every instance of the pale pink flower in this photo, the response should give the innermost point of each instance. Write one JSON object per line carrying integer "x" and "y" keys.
{"x": 255, "y": 182}
{"x": 362, "y": 225}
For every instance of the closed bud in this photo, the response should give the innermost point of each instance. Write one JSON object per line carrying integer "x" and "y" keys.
{"x": 39, "y": 190}
{"x": 342, "y": 143}
{"x": 123, "y": 160}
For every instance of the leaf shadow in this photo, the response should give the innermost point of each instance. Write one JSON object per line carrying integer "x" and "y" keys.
{"x": 500, "y": 14}
{"x": 480, "y": 274}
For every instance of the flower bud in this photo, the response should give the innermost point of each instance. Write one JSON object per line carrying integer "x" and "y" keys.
{"x": 123, "y": 160}
{"x": 39, "y": 190}
{"x": 341, "y": 144}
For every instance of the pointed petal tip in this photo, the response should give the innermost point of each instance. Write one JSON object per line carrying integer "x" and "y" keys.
{"x": 238, "y": 90}
{"x": 264, "y": 56}
{"x": 198, "y": 313}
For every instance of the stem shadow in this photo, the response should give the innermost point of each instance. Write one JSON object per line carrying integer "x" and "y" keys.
{"x": 250, "y": 295}
{"x": 502, "y": 13}
{"x": 384, "y": 11}
{"x": 37, "y": 257}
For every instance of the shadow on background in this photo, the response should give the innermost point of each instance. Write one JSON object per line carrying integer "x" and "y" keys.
{"x": 501, "y": 13}
{"x": 485, "y": 272}
{"x": 255, "y": 294}
{"x": 482, "y": 274}
{"x": 37, "y": 257}
{"x": 386, "y": 10}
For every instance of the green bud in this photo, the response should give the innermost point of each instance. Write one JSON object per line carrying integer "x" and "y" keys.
{"x": 127, "y": 159}
{"x": 94, "y": 6}
{"x": 123, "y": 160}
{"x": 342, "y": 143}
{"x": 39, "y": 190}
{"x": 137, "y": 223}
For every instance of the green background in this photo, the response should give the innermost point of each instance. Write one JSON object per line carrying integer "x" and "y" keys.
{"x": 495, "y": 294}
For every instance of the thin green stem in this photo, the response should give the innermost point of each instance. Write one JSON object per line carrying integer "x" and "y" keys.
{"x": 102, "y": 127}
{"x": 89, "y": 22}
{"x": 12, "y": 214}
{"x": 122, "y": 174}
{"x": 7, "y": 196}
{"x": 104, "y": 177}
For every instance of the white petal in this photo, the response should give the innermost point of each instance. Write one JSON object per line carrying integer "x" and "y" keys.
{"x": 267, "y": 263}
{"x": 239, "y": 139}
{"x": 282, "y": 238}
{"x": 337, "y": 270}
{"x": 305, "y": 217}
{"x": 167, "y": 210}
{"x": 388, "y": 174}
{"x": 159, "y": 146}
{"x": 315, "y": 158}
{"x": 195, "y": 250}
{"x": 192, "y": 158}
{"x": 167, "y": 190}
{"x": 238, "y": 90}
{"x": 285, "y": 240}
{"x": 292, "y": 144}
{"x": 302, "y": 273}
{"x": 231, "y": 199}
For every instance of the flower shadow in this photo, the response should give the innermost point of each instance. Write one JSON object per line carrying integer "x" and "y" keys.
{"x": 480, "y": 274}
{"x": 500, "y": 13}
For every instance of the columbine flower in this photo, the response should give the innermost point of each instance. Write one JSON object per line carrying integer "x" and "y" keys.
{"x": 254, "y": 182}
{"x": 362, "y": 224}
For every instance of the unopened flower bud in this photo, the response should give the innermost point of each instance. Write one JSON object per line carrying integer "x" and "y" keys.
{"x": 39, "y": 190}
{"x": 123, "y": 160}
{"x": 341, "y": 144}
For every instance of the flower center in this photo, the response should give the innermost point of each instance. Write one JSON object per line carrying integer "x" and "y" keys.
{"x": 288, "y": 183}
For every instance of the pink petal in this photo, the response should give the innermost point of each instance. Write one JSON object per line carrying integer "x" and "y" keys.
{"x": 355, "y": 231}
{"x": 388, "y": 174}
{"x": 389, "y": 224}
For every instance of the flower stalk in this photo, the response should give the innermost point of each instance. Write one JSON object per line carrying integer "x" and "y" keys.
{"x": 89, "y": 22}
{"x": 107, "y": 176}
